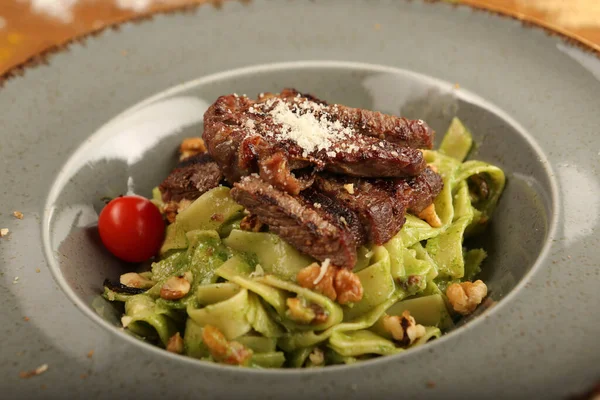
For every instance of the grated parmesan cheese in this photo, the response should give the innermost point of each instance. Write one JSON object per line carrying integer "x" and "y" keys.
{"x": 323, "y": 271}
{"x": 305, "y": 123}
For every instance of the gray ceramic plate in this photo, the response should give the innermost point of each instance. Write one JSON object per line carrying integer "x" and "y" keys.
{"x": 83, "y": 126}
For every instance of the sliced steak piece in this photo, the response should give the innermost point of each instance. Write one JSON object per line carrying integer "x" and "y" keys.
{"x": 275, "y": 138}
{"x": 401, "y": 131}
{"x": 373, "y": 158}
{"x": 337, "y": 212}
{"x": 310, "y": 230}
{"x": 192, "y": 178}
{"x": 418, "y": 192}
{"x": 380, "y": 213}
{"x": 226, "y": 132}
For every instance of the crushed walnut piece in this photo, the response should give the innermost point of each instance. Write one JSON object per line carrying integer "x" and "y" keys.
{"x": 175, "y": 344}
{"x": 331, "y": 281}
{"x": 348, "y": 287}
{"x": 251, "y": 223}
{"x": 176, "y": 287}
{"x": 191, "y": 147}
{"x": 170, "y": 210}
{"x": 466, "y": 296}
{"x": 320, "y": 314}
{"x": 34, "y": 372}
{"x": 317, "y": 357}
{"x": 404, "y": 329}
{"x": 222, "y": 350}
{"x": 135, "y": 280}
{"x": 297, "y": 311}
{"x": 430, "y": 216}
{"x": 308, "y": 276}
{"x": 18, "y": 214}
{"x": 303, "y": 312}
{"x": 349, "y": 188}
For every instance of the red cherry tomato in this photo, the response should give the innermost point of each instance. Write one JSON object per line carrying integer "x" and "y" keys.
{"x": 131, "y": 228}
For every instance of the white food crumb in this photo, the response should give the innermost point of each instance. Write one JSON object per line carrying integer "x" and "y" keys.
{"x": 258, "y": 271}
{"x": 349, "y": 188}
{"x": 16, "y": 280}
{"x": 323, "y": 271}
{"x": 4, "y": 232}
{"x": 125, "y": 320}
{"x": 41, "y": 369}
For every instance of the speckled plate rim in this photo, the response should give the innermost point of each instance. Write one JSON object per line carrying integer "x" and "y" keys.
{"x": 43, "y": 55}
{"x": 62, "y": 177}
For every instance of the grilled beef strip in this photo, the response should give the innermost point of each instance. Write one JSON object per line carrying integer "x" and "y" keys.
{"x": 402, "y": 131}
{"x": 192, "y": 177}
{"x": 380, "y": 213}
{"x": 338, "y": 212}
{"x": 241, "y": 136}
{"x": 381, "y": 203}
{"x": 418, "y": 192}
{"x": 315, "y": 231}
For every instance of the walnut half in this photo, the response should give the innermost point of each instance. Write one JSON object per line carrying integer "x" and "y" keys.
{"x": 404, "y": 329}
{"x": 222, "y": 350}
{"x": 135, "y": 280}
{"x": 176, "y": 287}
{"x": 466, "y": 296}
{"x": 190, "y": 147}
{"x": 175, "y": 344}
{"x": 336, "y": 283}
{"x": 348, "y": 287}
{"x": 308, "y": 276}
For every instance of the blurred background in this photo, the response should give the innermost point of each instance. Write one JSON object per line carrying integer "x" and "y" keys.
{"x": 28, "y": 27}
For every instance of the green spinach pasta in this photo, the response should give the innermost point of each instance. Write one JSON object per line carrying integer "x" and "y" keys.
{"x": 223, "y": 294}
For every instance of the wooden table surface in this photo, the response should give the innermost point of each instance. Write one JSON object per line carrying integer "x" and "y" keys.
{"x": 28, "y": 27}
